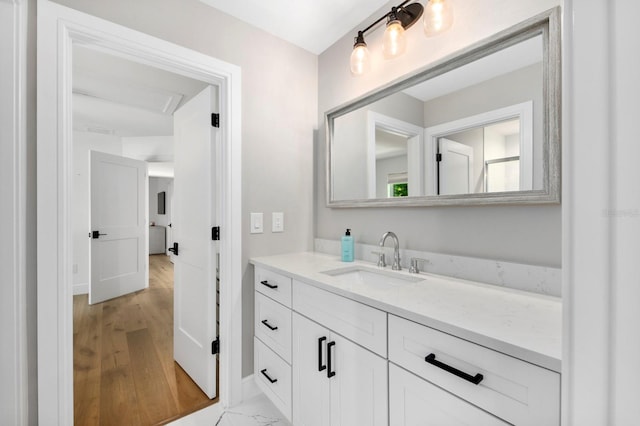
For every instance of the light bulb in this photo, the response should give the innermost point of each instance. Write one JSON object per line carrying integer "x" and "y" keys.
{"x": 393, "y": 41}
{"x": 438, "y": 17}
{"x": 360, "y": 60}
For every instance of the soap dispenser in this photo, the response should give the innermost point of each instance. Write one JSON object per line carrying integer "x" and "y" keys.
{"x": 347, "y": 246}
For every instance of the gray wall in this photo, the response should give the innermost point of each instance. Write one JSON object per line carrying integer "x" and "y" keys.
{"x": 279, "y": 115}
{"x": 529, "y": 234}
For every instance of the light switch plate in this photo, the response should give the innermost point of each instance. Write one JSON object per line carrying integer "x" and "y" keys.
{"x": 256, "y": 223}
{"x": 277, "y": 222}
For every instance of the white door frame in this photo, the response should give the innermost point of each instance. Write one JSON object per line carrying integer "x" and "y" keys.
{"x": 58, "y": 28}
{"x": 14, "y": 215}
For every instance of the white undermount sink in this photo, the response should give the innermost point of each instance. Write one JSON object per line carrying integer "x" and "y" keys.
{"x": 370, "y": 277}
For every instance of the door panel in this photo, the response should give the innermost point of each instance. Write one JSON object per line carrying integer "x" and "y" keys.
{"x": 194, "y": 212}
{"x": 118, "y": 213}
{"x": 359, "y": 387}
{"x": 455, "y": 171}
{"x": 310, "y": 386}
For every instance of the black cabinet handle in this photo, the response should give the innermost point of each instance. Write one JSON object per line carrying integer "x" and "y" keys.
{"x": 264, "y": 373}
{"x": 320, "y": 365}
{"x": 269, "y": 326}
{"x": 266, "y": 283}
{"x": 431, "y": 359}
{"x": 330, "y": 373}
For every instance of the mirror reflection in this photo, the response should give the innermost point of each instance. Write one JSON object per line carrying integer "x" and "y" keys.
{"x": 478, "y": 129}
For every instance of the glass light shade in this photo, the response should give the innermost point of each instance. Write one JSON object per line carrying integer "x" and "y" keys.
{"x": 438, "y": 17}
{"x": 393, "y": 42}
{"x": 360, "y": 59}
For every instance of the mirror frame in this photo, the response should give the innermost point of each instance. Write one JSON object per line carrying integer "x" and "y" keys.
{"x": 546, "y": 24}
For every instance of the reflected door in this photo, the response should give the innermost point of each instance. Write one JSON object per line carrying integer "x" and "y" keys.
{"x": 455, "y": 168}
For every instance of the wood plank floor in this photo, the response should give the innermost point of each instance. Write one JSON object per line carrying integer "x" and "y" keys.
{"x": 124, "y": 372}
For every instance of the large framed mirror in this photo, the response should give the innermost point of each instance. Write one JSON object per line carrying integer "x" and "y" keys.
{"x": 479, "y": 127}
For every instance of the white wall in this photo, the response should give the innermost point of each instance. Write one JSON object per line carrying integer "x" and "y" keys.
{"x": 279, "y": 117}
{"x": 83, "y": 142}
{"x": 156, "y": 185}
{"x": 527, "y": 234}
{"x": 148, "y": 148}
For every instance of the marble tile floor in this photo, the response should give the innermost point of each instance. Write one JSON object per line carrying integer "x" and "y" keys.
{"x": 257, "y": 411}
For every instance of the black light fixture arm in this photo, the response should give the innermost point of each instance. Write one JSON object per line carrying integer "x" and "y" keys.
{"x": 412, "y": 14}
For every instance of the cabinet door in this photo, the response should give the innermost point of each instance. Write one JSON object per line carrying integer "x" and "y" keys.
{"x": 310, "y": 383}
{"x": 359, "y": 386}
{"x": 416, "y": 402}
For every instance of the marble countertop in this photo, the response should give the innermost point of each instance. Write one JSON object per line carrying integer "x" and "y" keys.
{"x": 524, "y": 325}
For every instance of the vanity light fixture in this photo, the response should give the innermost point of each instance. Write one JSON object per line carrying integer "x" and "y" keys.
{"x": 438, "y": 17}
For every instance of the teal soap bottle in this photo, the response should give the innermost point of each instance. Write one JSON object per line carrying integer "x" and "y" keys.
{"x": 347, "y": 247}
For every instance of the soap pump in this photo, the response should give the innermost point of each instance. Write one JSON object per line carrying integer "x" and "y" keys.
{"x": 347, "y": 246}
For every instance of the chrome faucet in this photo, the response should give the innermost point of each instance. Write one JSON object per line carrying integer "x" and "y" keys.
{"x": 396, "y": 249}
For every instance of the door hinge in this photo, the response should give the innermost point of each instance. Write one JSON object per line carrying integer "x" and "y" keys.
{"x": 215, "y": 119}
{"x": 438, "y": 157}
{"x": 215, "y": 233}
{"x": 215, "y": 347}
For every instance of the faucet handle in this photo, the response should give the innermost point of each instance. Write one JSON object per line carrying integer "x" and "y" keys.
{"x": 381, "y": 259}
{"x": 413, "y": 269}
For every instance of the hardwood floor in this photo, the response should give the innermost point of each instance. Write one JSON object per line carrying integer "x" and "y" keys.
{"x": 124, "y": 372}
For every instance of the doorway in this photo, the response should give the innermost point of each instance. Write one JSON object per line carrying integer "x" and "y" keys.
{"x": 58, "y": 29}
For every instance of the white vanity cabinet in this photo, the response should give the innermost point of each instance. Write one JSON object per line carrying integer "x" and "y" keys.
{"x": 335, "y": 381}
{"x": 327, "y": 357}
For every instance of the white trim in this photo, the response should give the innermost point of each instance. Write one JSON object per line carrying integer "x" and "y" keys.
{"x": 58, "y": 28}
{"x": 80, "y": 289}
{"x": 414, "y": 150}
{"x": 523, "y": 111}
{"x": 13, "y": 213}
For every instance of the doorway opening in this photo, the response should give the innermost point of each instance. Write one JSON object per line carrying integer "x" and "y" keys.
{"x": 59, "y": 28}
{"x": 123, "y": 273}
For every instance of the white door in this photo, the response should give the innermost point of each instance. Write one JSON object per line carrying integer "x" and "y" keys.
{"x": 358, "y": 388}
{"x": 455, "y": 170}
{"x": 195, "y": 210}
{"x": 310, "y": 381}
{"x": 119, "y": 205}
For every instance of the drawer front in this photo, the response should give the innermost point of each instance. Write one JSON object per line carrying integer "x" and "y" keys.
{"x": 416, "y": 402}
{"x": 273, "y": 376}
{"x": 273, "y": 325}
{"x": 360, "y": 323}
{"x": 514, "y": 390}
{"x": 274, "y": 285}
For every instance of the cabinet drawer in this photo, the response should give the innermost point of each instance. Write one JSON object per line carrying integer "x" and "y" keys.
{"x": 273, "y": 325}
{"x": 416, "y": 402}
{"x": 274, "y": 285}
{"x": 362, "y": 324}
{"x": 273, "y": 376}
{"x": 514, "y": 390}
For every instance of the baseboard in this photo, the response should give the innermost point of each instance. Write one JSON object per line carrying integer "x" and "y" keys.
{"x": 80, "y": 289}
{"x": 249, "y": 388}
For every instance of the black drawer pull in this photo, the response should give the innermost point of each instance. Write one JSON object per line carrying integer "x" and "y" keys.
{"x": 330, "y": 373}
{"x": 264, "y": 373}
{"x": 431, "y": 359}
{"x": 320, "y": 365}
{"x": 269, "y": 326}
{"x": 266, "y": 283}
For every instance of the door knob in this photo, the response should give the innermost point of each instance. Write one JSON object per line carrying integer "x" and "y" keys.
{"x": 96, "y": 234}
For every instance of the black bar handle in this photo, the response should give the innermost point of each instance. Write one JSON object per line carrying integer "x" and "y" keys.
{"x": 431, "y": 359}
{"x": 269, "y": 326}
{"x": 330, "y": 373}
{"x": 266, "y": 283}
{"x": 320, "y": 365}
{"x": 264, "y": 373}
{"x": 174, "y": 249}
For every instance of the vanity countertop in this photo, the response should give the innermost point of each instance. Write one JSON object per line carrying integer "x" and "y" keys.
{"x": 524, "y": 325}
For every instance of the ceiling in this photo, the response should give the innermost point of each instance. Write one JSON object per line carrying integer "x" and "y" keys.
{"x": 313, "y": 25}
{"x": 116, "y": 96}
